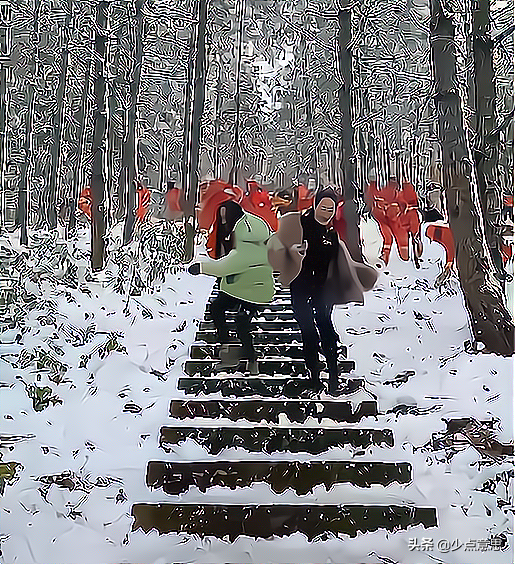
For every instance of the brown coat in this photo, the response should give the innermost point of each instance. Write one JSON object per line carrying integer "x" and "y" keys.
{"x": 347, "y": 280}
{"x": 284, "y": 254}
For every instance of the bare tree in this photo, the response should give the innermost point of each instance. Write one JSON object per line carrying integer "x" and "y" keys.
{"x": 26, "y": 169}
{"x": 347, "y": 157}
{"x": 129, "y": 150}
{"x": 198, "y": 107}
{"x": 99, "y": 141}
{"x": 78, "y": 169}
{"x": 491, "y": 322}
{"x": 55, "y": 151}
{"x": 482, "y": 100}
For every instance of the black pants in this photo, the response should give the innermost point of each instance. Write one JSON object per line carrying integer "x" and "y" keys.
{"x": 245, "y": 311}
{"x": 316, "y": 326}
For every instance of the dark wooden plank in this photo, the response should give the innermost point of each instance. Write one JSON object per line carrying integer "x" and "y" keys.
{"x": 276, "y": 315}
{"x": 199, "y": 351}
{"x": 264, "y": 521}
{"x": 269, "y": 411}
{"x": 258, "y": 338}
{"x": 264, "y": 387}
{"x": 274, "y": 439}
{"x": 175, "y": 478}
{"x": 266, "y": 367}
{"x": 264, "y": 325}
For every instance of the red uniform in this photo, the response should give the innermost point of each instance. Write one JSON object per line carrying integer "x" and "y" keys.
{"x": 506, "y": 245}
{"x": 442, "y": 234}
{"x": 396, "y": 211}
{"x": 85, "y": 201}
{"x": 258, "y": 202}
{"x": 212, "y": 194}
{"x": 143, "y": 201}
{"x": 305, "y": 198}
{"x": 174, "y": 201}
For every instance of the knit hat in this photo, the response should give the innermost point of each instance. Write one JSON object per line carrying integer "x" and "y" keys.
{"x": 325, "y": 193}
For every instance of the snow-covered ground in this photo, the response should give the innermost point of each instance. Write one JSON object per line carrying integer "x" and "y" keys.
{"x": 106, "y": 428}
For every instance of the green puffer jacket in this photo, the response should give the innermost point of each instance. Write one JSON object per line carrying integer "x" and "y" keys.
{"x": 245, "y": 271}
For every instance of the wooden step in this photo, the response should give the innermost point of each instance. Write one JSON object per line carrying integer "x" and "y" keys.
{"x": 265, "y": 387}
{"x": 256, "y": 325}
{"x": 282, "y": 300}
{"x": 175, "y": 478}
{"x": 279, "y": 291}
{"x": 269, "y": 411}
{"x": 265, "y": 521}
{"x": 274, "y": 439}
{"x": 260, "y": 316}
{"x": 199, "y": 351}
{"x": 286, "y": 366}
{"x": 281, "y": 306}
{"x": 257, "y": 338}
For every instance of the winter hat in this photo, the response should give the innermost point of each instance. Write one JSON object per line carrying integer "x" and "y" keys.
{"x": 325, "y": 193}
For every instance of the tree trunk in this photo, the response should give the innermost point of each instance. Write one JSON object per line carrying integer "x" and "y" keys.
{"x": 313, "y": 161}
{"x": 486, "y": 154}
{"x": 78, "y": 173}
{"x": 198, "y": 108}
{"x": 129, "y": 151}
{"x": 491, "y": 322}
{"x": 216, "y": 133}
{"x": 233, "y": 175}
{"x": 55, "y": 151}
{"x": 3, "y": 144}
{"x": 347, "y": 163}
{"x": 26, "y": 168}
{"x": 112, "y": 106}
{"x": 187, "y": 120}
{"x": 99, "y": 141}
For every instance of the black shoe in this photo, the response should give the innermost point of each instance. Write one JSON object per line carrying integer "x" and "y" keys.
{"x": 317, "y": 386}
{"x": 346, "y": 387}
{"x": 313, "y": 390}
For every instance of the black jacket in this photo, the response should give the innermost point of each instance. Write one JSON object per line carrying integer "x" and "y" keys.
{"x": 322, "y": 249}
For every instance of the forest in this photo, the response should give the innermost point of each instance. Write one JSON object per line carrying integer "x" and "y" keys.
{"x": 119, "y": 119}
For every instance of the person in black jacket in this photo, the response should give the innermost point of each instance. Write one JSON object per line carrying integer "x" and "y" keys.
{"x": 310, "y": 306}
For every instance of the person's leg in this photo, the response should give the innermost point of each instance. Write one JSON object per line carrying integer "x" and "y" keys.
{"x": 245, "y": 312}
{"x": 328, "y": 338}
{"x": 402, "y": 239}
{"x": 303, "y": 312}
{"x": 218, "y": 308}
{"x": 387, "y": 235}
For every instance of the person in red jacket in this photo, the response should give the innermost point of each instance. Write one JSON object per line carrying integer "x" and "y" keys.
{"x": 143, "y": 194}
{"x": 85, "y": 201}
{"x": 258, "y": 202}
{"x": 296, "y": 198}
{"x": 396, "y": 211}
{"x": 386, "y": 211}
{"x": 410, "y": 219}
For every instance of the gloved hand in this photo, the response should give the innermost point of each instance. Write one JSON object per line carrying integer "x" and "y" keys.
{"x": 194, "y": 268}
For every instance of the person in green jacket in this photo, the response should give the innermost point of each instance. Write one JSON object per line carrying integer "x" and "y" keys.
{"x": 246, "y": 279}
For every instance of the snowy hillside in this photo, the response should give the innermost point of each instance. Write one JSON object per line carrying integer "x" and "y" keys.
{"x": 84, "y": 454}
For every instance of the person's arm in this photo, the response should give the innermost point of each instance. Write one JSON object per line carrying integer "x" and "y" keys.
{"x": 230, "y": 264}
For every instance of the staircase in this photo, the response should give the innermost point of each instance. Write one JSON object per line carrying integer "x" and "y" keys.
{"x": 273, "y": 416}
